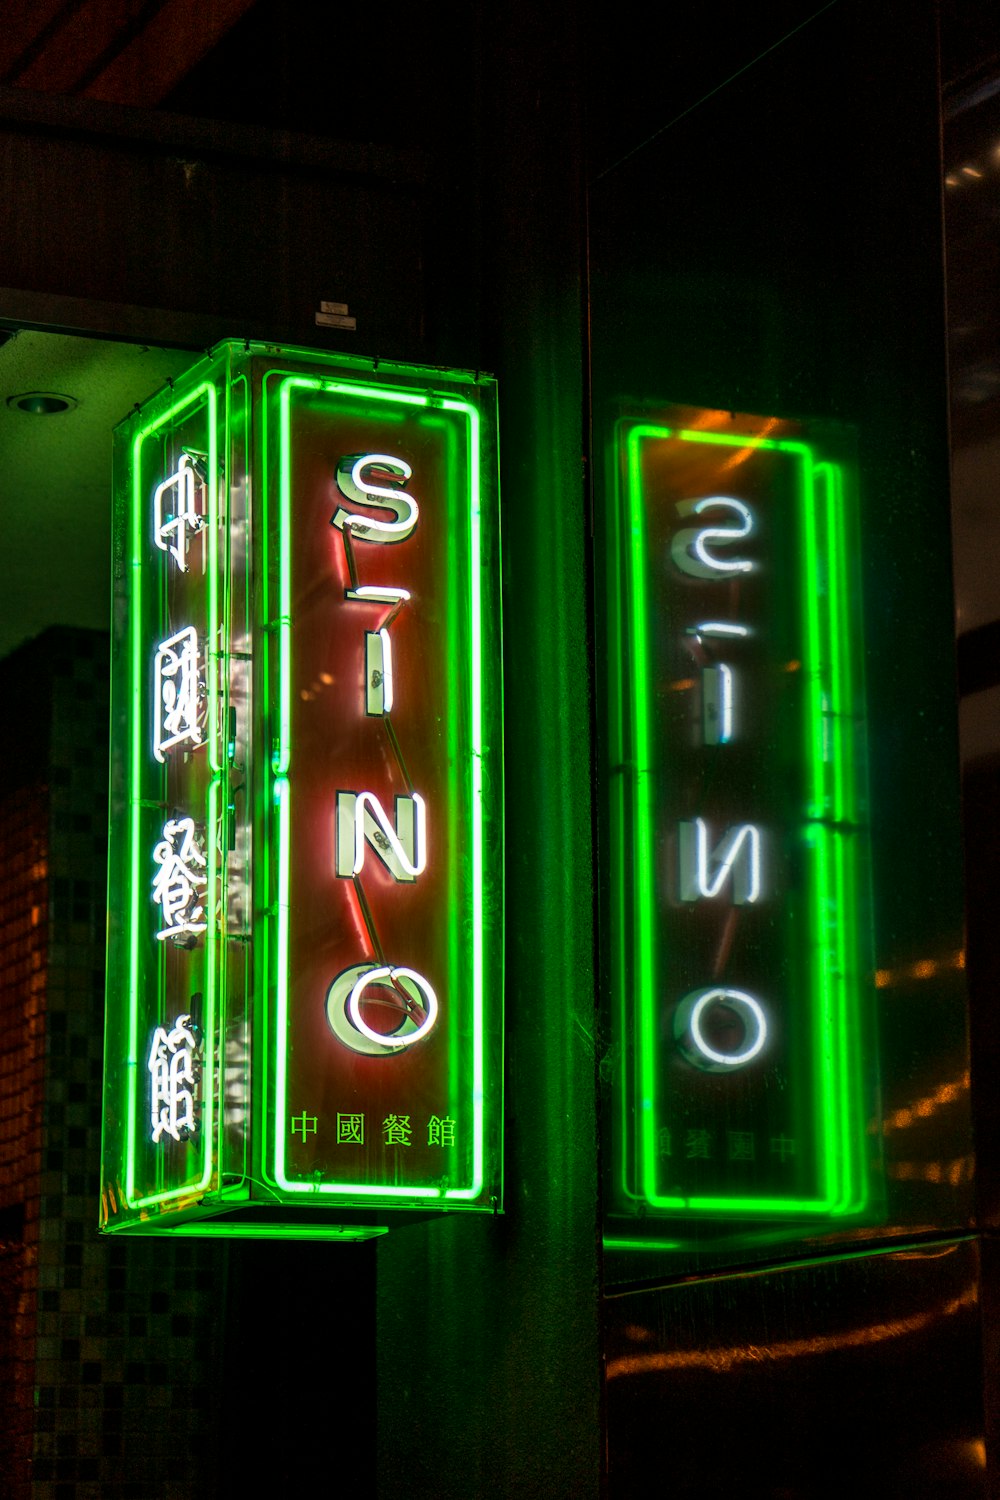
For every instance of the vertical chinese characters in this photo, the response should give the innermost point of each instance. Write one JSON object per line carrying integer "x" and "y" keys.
{"x": 180, "y": 693}
{"x": 180, "y": 881}
{"x": 177, "y": 517}
{"x": 173, "y": 1073}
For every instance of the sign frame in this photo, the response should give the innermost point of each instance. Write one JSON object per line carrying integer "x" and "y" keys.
{"x": 238, "y": 859}
{"x": 642, "y": 908}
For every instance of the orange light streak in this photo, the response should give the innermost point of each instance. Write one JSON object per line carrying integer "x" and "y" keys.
{"x": 924, "y": 968}
{"x": 955, "y": 1172}
{"x": 922, "y": 1109}
{"x": 720, "y": 1361}
{"x": 743, "y": 454}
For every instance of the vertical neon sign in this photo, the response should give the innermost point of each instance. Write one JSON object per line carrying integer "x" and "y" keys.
{"x": 170, "y": 768}
{"x": 305, "y": 994}
{"x": 376, "y": 584}
{"x": 740, "y": 965}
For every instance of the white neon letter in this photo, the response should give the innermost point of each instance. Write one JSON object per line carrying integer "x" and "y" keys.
{"x": 360, "y": 816}
{"x": 377, "y": 593}
{"x": 717, "y": 704}
{"x": 737, "y": 854}
{"x": 739, "y": 1011}
{"x": 718, "y": 627}
{"x": 689, "y": 548}
{"x": 353, "y": 485}
{"x": 411, "y": 994}
{"x": 378, "y": 672}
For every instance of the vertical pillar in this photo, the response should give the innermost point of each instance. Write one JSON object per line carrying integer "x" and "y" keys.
{"x": 488, "y": 1351}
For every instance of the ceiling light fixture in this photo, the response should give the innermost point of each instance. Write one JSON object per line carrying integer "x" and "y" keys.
{"x": 42, "y": 403}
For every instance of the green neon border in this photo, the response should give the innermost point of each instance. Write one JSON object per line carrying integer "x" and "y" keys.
{"x": 235, "y": 1230}
{"x": 281, "y": 760}
{"x": 137, "y": 885}
{"x": 832, "y": 798}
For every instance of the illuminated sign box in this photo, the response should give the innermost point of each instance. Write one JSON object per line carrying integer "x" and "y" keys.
{"x": 304, "y": 978}
{"x": 742, "y": 982}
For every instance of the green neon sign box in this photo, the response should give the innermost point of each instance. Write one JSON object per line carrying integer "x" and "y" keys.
{"x": 741, "y": 975}
{"x": 304, "y": 978}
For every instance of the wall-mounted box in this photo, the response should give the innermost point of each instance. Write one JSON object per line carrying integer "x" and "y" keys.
{"x": 304, "y": 1021}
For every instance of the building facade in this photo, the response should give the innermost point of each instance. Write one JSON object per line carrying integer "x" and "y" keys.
{"x": 742, "y": 221}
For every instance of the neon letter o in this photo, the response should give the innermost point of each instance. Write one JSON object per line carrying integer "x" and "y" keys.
{"x": 691, "y": 1039}
{"x": 343, "y": 1009}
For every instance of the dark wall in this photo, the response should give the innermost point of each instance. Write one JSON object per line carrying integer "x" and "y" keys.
{"x": 245, "y": 227}
{"x": 488, "y": 1340}
{"x": 778, "y": 246}
{"x": 779, "y": 250}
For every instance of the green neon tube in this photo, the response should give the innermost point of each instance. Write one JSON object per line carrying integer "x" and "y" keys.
{"x": 830, "y": 818}
{"x": 203, "y": 393}
{"x": 282, "y": 790}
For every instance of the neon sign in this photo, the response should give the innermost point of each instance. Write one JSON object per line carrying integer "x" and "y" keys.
{"x": 173, "y": 1072}
{"x": 740, "y": 963}
{"x": 177, "y": 515}
{"x": 180, "y": 881}
{"x": 306, "y": 710}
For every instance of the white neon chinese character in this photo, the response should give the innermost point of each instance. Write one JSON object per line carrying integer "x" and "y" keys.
{"x": 172, "y": 1067}
{"x": 178, "y": 692}
{"x": 175, "y": 515}
{"x": 179, "y": 882}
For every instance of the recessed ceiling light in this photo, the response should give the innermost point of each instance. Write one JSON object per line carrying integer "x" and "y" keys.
{"x": 42, "y": 403}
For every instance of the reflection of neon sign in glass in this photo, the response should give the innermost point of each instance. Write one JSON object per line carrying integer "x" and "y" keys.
{"x": 179, "y": 693}
{"x": 691, "y": 1023}
{"x": 176, "y": 517}
{"x": 180, "y": 881}
{"x": 736, "y": 828}
{"x": 689, "y": 548}
{"x": 736, "y": 856}
{"x": 173, "y": 1074}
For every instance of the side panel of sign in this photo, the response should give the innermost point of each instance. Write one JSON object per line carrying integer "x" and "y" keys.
{"x": 178, "y": 875}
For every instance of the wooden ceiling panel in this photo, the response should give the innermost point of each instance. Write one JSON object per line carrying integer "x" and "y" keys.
{"x": 121, "y": 51}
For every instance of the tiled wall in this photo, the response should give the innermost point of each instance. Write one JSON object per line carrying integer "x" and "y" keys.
{"x": 125, "y": 1336}
{"x": 23, "y": 933}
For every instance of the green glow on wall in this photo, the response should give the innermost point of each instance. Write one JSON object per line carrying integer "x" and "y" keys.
{"x": 809, "y": 525}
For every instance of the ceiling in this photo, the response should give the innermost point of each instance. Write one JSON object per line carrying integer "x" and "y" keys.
{"x": 55, "y": 474}
{"x": 128, "y": 52}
